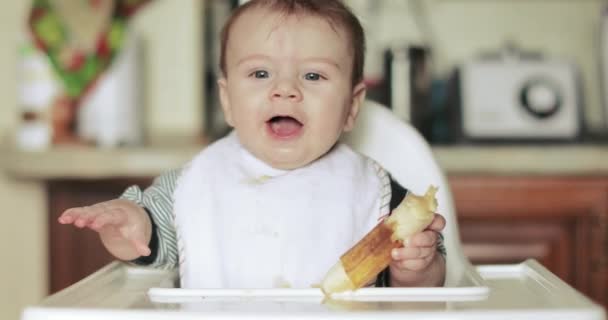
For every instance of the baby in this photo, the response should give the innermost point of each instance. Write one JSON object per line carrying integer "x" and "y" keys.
{"x": 277, "y": 201}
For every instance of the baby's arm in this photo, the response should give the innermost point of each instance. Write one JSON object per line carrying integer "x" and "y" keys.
{"x": 123, "y": 226}
{"x": 158, "y": 204}
{"x": 419, "y": 263}
{"x": 157, "y": 199}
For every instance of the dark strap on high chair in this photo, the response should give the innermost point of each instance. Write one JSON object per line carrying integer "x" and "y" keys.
{"x": 397, "y": 195}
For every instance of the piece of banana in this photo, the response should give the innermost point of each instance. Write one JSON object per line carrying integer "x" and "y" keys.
{"x": 362, "y": 263}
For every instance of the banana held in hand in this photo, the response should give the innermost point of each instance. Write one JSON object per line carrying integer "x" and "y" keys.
{"x": 362, "y": 263}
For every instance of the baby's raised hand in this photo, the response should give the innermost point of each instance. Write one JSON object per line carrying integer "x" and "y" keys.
{"x": 123, "y": 226}
{"x": 418, "y": 263}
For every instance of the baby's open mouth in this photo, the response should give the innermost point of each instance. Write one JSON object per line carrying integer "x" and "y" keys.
{"x": 284, "y": 126}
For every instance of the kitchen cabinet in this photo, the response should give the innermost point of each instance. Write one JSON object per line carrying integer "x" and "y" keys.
{"x": 559, "y": 220}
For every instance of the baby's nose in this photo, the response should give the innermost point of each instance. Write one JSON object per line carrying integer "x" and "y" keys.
{"x": 286, "y": 89}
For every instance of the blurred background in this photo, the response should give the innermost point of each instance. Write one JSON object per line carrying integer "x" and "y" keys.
{"x": 98, "y": 95}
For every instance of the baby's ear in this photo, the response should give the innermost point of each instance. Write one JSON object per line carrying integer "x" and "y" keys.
{"x": 359, "y": 92}
{"x": 225, "y": 100}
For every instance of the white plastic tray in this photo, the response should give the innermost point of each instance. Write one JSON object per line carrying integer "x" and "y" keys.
{"x": 164, "y": 295}
{"x": 471, "y": 287}
{"x": 468, "y": 286}
{"x": 117, "y": 292}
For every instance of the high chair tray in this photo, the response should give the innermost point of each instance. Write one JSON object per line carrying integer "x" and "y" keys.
{"x": 470, "y": 287}
{"x": 163, "y": 295}
{"x": 518, "y": 291}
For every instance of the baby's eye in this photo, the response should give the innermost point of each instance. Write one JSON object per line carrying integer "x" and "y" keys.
{"x": 260, "y": 74}
{"x": 312, "y": 76}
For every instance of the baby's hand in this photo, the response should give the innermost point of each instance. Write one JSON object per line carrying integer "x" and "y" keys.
{"x": 123, "y": 226}
{"x": 418, "y": 263}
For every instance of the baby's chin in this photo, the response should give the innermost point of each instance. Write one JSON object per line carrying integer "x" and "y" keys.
{"x": 284, "y": 164}
{"x": 286, "y": 155}
{"x": 288, "y": 160}
{"x": 293, "y": 157}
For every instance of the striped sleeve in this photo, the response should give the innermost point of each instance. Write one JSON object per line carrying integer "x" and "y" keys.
{"x": 158, "y": 200}
{"x": 385, "y": 190}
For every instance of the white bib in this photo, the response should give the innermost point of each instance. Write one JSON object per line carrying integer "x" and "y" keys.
{"x": 243, "y": 224}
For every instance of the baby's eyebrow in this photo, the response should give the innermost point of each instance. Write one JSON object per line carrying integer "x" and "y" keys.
{"x": 322, "y": 60}
{"x": 327, "y": 61}
{"x": 252, "y": 57}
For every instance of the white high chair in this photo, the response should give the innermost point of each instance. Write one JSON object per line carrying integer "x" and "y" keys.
{"x": 401, "y": 150}
{"x": 520, "y": 291}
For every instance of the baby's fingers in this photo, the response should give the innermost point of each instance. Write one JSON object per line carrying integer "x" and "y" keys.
{"x": 136, "y": 237}
{"x": 141, "y": 248}
{"x": 110, "y": 217}
{"x": 70, "y": 215}
{"x": 437, "y": 224}
{"x": 79, "y": 216}
{"x": 413, "y": 264}
{"x": 89, "y": 214}
{"x": 82, "y": 216}
{"x": 422, "y": 239}
{"x": 412, "y": 253}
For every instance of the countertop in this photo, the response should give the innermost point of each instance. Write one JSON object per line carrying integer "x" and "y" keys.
{"x": 83, "y": 162}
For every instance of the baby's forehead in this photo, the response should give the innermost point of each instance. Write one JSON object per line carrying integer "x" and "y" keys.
{"x": 278, "y": 18}
{"x": 285, "y": 39}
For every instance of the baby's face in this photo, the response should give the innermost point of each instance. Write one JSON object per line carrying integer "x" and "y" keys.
{"x": 288, "y": 90}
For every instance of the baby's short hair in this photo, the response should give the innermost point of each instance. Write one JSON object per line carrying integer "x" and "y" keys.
{"x": 335, "y": 12}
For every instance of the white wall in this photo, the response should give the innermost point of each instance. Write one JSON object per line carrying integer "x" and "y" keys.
{"x": 172, "y": 34}
{"x": 23, "y": 229}
{"x": 562, "y": 28}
